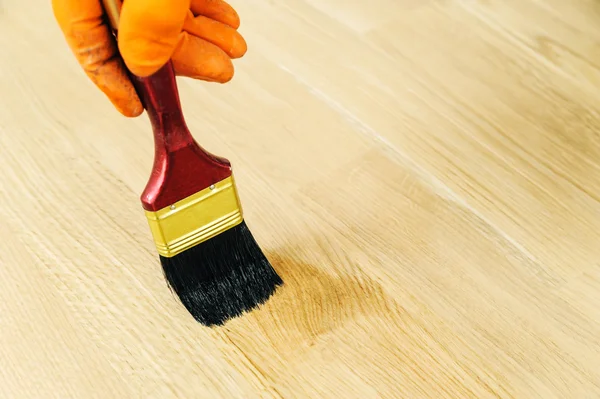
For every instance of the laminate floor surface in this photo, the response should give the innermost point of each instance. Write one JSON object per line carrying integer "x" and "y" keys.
{"x": 424, "y": 175}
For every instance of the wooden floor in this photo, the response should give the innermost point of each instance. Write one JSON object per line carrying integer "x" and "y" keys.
{"x": 424, "y": 175}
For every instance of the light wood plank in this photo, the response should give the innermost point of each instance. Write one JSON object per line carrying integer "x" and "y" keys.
{"x": 424, "y": 175}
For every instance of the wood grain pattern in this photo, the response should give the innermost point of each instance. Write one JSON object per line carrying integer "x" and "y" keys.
{"x": 425, "y": 176}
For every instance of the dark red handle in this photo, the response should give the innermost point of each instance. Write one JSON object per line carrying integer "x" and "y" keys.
{"x": 181, "y": 167}
{"x": 160, "y": 97}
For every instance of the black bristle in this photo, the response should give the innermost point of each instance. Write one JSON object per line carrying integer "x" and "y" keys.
{"x": 223, "y": 277}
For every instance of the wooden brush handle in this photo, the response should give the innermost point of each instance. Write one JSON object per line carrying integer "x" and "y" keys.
{"x": 160, "y": 98}
{"x": 181, "y": 167}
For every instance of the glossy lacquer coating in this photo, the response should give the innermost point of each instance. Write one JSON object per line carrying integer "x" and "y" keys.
{"x": 181, "y": 167}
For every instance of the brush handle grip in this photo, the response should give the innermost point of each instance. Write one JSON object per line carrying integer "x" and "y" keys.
{"x": 160, "y": 98}
{"x": 181, "y": 167}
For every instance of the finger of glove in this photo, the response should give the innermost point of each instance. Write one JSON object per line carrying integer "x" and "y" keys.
{"x": 219, "y": 34}
{"x": 93, "y": 45}
{"x": 149, "y": 31}
{"x": 198, "y": 59}
{"x": 111, "y": 78}
{"x": 217, "y": 10}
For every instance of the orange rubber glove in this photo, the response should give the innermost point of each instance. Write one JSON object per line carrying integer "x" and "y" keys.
{"x": 199, "y": 36}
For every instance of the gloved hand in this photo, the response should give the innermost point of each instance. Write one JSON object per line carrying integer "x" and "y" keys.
{"x": 199, "y": 36}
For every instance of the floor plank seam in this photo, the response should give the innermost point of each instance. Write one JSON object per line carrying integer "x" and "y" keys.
{"x": 369, "y": 132}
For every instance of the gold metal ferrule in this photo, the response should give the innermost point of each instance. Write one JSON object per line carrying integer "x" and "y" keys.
{"x": 196, "y": 219}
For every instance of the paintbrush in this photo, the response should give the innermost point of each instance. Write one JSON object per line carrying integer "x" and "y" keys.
{"x": 209, "y": 256}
